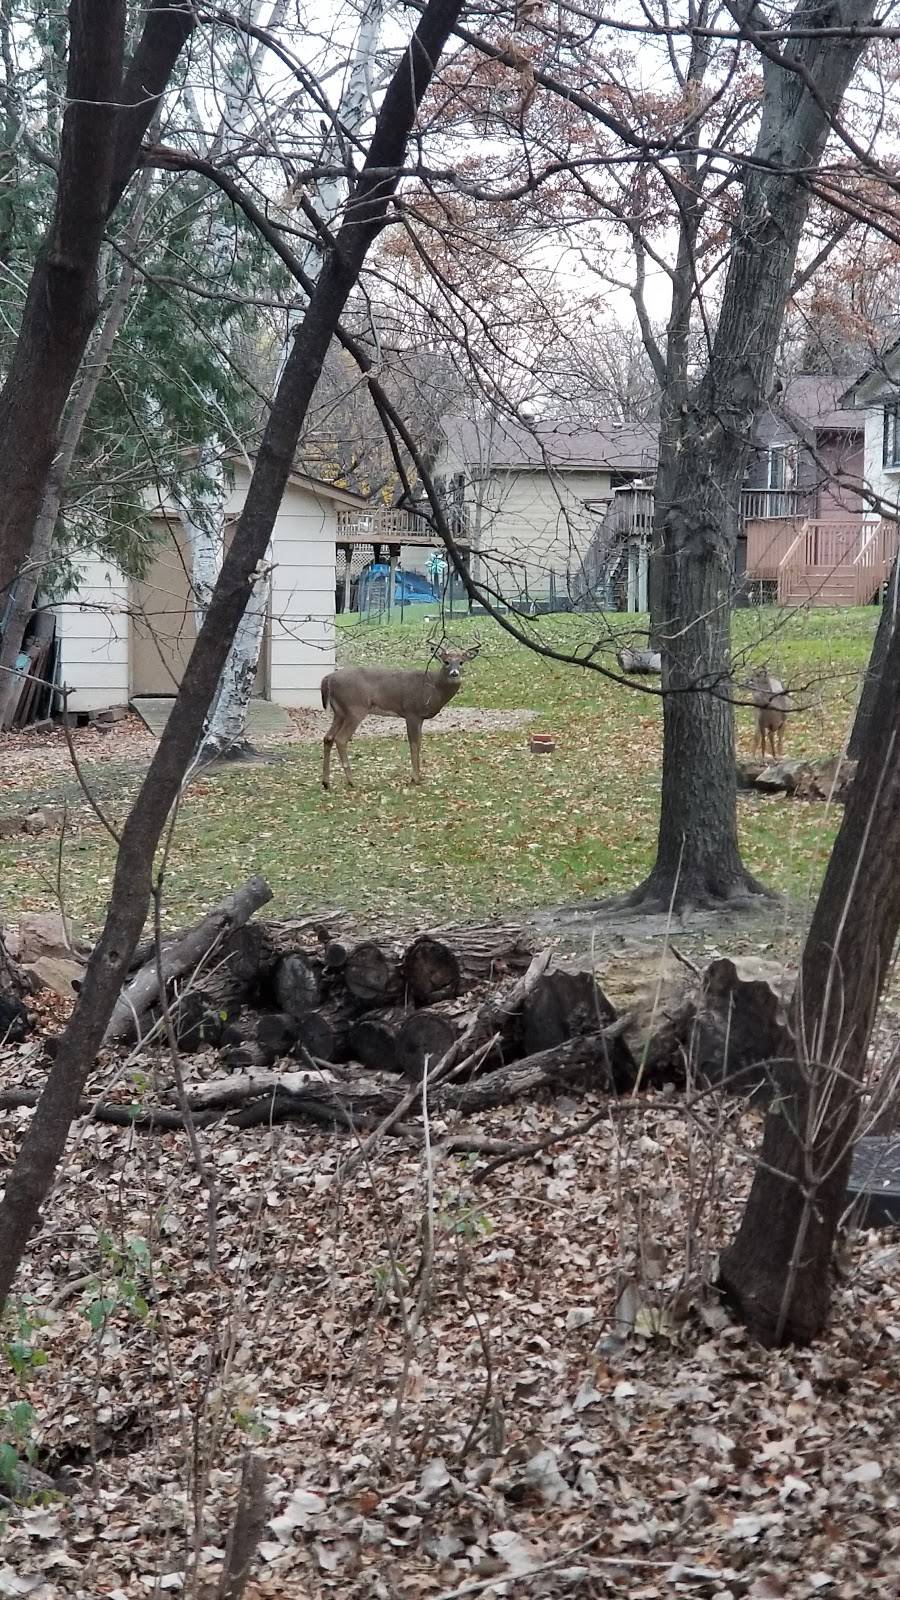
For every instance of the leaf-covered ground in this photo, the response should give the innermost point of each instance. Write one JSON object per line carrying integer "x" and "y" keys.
{"x": 441, "y": 1409}
{"x": 492, "y": 828}
{"x": 462, "y": 1382}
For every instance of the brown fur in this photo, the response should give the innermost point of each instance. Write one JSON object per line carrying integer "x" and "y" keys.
{"x": 355, "y": 693}
{"x": 772, "y": 706}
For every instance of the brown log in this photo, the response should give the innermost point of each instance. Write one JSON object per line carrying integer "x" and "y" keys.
{"x": 246, "y": 1057}
{"x": 586, "y": 1060}
{"x": 279, "y": 1096}
{"x": 373, "y": 1039}
{"x": 199, "y": 1023}
{"x": 732, "y": 1028}
{"x": 488, "y": 952}
{"x": 184, "y": 956}
{"x": 277, "y": 1032}
{"x": 296, "y": 984}
{"x": 423, "y": 1036}
{"x": 431, "y": 971}
{"x": 498, "y": 1015}
{"x": 563, "y": 1005}
{"x": 372, "y": 974}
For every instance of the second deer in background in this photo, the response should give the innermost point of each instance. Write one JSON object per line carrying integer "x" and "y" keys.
{"x": 355, "y": 693}
{"x": 772, "y": 706}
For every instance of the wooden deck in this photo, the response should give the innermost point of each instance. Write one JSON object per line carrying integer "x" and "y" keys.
{"x": 821, "y": 562}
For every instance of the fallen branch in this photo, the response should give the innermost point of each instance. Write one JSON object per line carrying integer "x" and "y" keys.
{"x": 324, "y": 1098}
{"x": 182, "y": 956}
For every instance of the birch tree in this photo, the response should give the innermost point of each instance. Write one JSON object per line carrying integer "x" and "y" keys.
{"x": 202, "y": 516}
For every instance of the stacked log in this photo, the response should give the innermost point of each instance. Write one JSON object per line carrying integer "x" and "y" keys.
{"x": 260, "y": 993}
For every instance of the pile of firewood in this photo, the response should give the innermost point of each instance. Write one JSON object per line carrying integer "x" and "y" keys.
{"x": 260, "y": 992}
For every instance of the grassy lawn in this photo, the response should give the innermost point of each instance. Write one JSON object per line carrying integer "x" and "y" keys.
{"x": 493, "y": 827}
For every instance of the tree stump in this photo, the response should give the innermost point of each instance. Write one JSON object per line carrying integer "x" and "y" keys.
{"x": 563, "y": 1005}
{"x": 322, "y": 1037}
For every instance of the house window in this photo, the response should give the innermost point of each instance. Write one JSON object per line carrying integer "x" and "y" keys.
{"x": 782, "y": 468}
{"x": 891, "y": 445}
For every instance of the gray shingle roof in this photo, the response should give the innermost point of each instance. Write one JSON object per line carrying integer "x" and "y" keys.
{"x": 610, "y": 446}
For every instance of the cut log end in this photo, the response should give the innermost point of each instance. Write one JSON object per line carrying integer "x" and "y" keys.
{"x": 371, "y": 974}
{"x": 431, "y": 971}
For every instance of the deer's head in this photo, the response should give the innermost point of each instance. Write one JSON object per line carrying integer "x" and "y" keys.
{"x": 452, "y": 661}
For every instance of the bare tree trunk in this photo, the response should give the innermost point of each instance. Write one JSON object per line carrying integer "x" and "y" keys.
{"x": 887, "y": 626}
{"x": 95, "y": 365}
{"x": 698, "y": 856}
{"x": 105, "y": 120}
{"x": 203, "y": 522}
{"x": 226, "y": 732}
{"x": 31, "y": 1177}
{"x": 778, "y": 1269}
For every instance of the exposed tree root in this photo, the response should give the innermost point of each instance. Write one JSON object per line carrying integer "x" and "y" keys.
{"x": 665, "y": 891}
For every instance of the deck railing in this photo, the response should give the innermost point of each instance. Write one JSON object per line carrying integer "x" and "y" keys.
{"x": 762, "y": 504}
{"x": 825, "y": 561}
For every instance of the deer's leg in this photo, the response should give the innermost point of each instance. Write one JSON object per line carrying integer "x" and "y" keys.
{"x": 414, "y": 735}
{"x": 780, "y": 738}
{"x": 327, "y": 744}
{"x": 342, "y": 738}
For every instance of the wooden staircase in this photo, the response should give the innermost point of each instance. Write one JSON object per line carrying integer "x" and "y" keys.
{"x": 836, "y": 563}
{"x": 824, "y": 586}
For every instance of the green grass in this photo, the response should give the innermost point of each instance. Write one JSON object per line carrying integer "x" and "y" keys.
{"x": 493, "y": 827}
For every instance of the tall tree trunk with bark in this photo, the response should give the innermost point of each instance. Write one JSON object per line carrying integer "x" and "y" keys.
{"x": 887, "y": 627}
{"x": 366, "y": 214}
{"x": 34, "y": 570}
{"x": 698, "y": 856}
{"x": 778, "y": 1269}
{"x": 105, "y": 121}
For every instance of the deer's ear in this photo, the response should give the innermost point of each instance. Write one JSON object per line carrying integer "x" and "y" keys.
{"x": 469, "y": 655}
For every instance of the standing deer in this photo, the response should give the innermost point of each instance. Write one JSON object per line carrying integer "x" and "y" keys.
{"x": 771, "y": 710}
{"x": 355, "y": 693}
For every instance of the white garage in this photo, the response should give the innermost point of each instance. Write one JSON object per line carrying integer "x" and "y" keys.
{"x": 119, "y": 639}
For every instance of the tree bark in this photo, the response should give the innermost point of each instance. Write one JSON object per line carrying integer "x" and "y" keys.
{"x": 372, "y": 975}
{"x": 778, "y": 1269}
{"x": 704, "y": 447}
{"x": 297, "y": 985}
{"x": 367, "y": 210}
{"x": 179, "y": 958}
{"x": 105, "y": 120}
{"x": 887, "y": 625}
{"x": 29, "y": 579}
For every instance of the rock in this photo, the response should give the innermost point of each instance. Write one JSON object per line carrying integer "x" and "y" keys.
{"x": 829, "y": 780}
{"x": 784, "y": 776}
{"x": 42, "y": 933}
{"x": 61, "y": 974}
{"x": 35, "y": 822}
